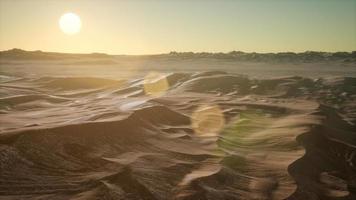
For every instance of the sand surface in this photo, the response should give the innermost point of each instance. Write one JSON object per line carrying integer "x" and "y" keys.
{"x": 197, "y": 135}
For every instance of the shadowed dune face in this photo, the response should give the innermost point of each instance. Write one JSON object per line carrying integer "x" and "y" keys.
{"x": 210, "y": 135}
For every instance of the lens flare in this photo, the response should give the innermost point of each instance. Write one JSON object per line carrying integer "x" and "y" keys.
{"x": 208, "y": 120}
{"x": 155, "y": 84}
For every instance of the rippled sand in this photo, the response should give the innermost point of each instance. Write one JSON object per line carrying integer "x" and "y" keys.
{"x": 209, "y": 135}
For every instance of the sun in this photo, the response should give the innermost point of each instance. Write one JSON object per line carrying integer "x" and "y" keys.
{"x": 70, "y": 23}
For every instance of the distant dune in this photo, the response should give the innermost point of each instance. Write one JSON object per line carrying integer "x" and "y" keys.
{"x": 308, "y": 64}
{"x": 308, "y": 56}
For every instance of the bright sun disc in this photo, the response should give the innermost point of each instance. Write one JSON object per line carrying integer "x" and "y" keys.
{"x": 70, "y": 23}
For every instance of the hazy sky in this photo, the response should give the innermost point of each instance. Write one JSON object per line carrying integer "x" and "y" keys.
{"x": 160, "y": 26}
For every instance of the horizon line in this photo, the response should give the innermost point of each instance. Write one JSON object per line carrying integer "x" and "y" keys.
{"x": 164, "y": 53}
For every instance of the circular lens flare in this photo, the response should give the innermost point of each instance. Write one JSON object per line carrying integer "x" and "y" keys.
{"x": 208, "y": 120}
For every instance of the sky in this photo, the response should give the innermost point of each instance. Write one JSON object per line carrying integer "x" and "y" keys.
{"x": 161, "y": 26}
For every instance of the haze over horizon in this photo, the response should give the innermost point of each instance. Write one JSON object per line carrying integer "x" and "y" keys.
{"x": 14, "y": 50}
{"x": 153, "y": 27}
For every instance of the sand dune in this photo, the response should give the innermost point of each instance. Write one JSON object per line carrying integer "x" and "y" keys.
{"x": 210, "y": 135}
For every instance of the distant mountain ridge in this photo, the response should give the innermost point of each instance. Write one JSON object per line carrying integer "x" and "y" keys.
{"x": 308, "y": 56}
{"x": 20, "y": 54}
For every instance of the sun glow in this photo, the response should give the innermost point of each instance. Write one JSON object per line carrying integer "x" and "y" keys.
{"x": 70, "y": 23}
